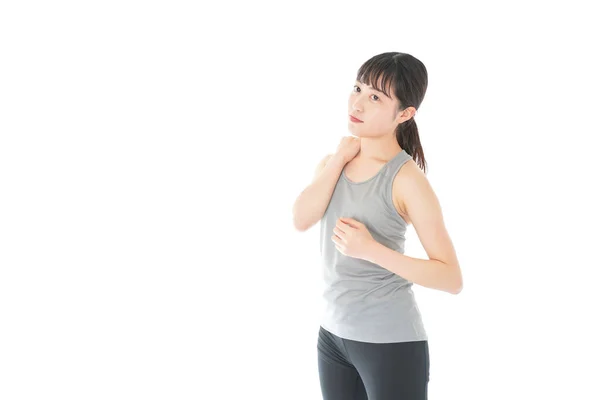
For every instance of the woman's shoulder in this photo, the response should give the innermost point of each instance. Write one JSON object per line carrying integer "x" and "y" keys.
{"x": 408, "y": 175}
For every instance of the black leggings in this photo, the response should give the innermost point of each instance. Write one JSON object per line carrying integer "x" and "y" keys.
{"x": 351, "y": 370}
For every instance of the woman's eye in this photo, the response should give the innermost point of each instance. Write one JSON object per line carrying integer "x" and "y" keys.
{"x": 357, "y": 89}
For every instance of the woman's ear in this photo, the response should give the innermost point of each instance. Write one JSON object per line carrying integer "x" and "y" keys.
{"x": 405, "y": 114}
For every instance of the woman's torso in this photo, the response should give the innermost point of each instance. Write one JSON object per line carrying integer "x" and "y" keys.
{"x": 363, "y": 300}
{"x": 359, "y": 171}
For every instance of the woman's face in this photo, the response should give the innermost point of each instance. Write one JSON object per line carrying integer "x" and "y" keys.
{"x": 377, "y": 111}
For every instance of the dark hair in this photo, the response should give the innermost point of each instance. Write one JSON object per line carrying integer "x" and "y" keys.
{"x": 407, "y": 76}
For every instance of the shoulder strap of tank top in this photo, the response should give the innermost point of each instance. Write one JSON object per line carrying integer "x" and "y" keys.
{"x": 394, "y": 165}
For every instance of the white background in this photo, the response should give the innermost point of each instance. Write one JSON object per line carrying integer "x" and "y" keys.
{"x": 151, "y": 152}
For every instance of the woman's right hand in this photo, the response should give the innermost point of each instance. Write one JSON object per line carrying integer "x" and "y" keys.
{"x": 348, "y": 148}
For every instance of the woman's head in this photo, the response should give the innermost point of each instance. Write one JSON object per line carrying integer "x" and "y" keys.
{"x": 389, "y": 89}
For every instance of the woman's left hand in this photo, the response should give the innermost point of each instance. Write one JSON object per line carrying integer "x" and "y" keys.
{"x": 352, "y": 238}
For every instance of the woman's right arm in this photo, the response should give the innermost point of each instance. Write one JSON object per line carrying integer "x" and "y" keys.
{"x": 311, "y": 204}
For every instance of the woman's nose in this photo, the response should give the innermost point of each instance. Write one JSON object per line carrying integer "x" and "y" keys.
{"x": 356, "y": 105}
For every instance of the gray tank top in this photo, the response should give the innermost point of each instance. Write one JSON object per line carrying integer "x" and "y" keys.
{"x": 364, "y": 301}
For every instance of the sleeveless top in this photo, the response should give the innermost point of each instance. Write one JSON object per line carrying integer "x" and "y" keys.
{"x": 364, "y": 301}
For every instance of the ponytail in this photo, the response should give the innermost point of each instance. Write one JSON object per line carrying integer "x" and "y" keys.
{"x": 407, "y": 135}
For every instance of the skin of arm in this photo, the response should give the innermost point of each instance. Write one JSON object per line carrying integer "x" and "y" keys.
{"x": 442, "y": 270}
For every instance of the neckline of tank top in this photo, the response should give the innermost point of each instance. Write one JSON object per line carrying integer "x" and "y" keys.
{"x": 374, "y": 176}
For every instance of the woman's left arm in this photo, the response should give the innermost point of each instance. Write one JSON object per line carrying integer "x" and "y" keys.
{"x": 441, "y": 271}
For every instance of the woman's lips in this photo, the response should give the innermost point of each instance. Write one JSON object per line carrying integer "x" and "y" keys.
{"x": 354, "y": 119}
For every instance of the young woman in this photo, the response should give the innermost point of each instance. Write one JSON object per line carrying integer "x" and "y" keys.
{"x": 372, "y": 342}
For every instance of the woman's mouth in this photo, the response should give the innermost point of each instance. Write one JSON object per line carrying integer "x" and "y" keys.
{"x": 354, "y": 119}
